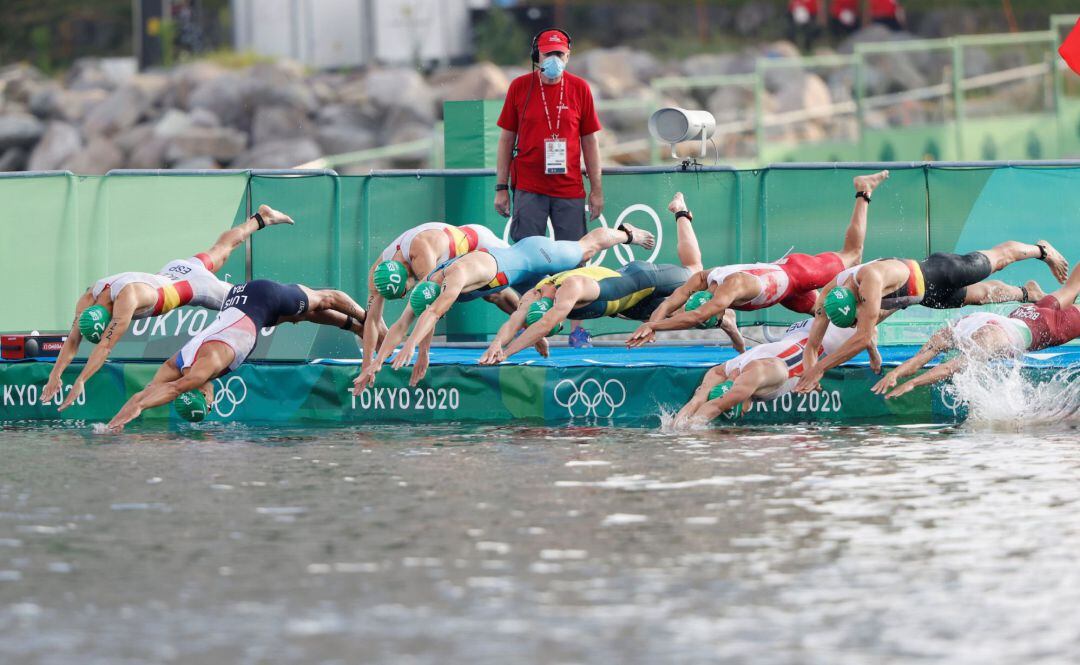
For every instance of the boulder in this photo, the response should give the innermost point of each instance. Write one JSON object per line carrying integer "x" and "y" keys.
{"x": 227, "y": 97}
{"x": 398, "y": 90}
{"x": 19, "y": 130}
{"x": 280, "y": 83}
{"x": 483, "y": 80}
{"x": 152, "y": 86}
{"x": 276, "y": 123}
{"x": 13, "y": 159}
{"x": 42, "y": 100}
{"x": 731, "y": 104}
{"x": 187, "y": 78}
{"x": 708, "y": 64}
{"x": 88, "y": 74}
{"x": 73, "y": 105}
{"x": 279, "y": 154}
{"x": 197, "y": 163}
{"x": 150, "y": 154}
{"x": 130, "y": 139}
{"x": 58, "y": 144}
{"x": 172, "y": 123}
{"x": 98, "y": 157}
{"x": 338, "y": 139}
{"x": 222, "y": 143}
{"x": 803, "y": 92}
{"x": 204, "y": 118}
{"x": 122, "y": 109}
{"x": 616, "y": 71}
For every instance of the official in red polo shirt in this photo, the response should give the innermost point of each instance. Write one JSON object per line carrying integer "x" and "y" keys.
{"x": 548, "y": 123}
{"x": 550, "y": 115}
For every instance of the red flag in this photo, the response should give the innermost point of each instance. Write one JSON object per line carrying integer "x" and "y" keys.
{"x": 1070, "y": 49}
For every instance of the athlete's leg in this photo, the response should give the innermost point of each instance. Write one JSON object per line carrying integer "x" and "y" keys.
{"x": 602, "y": 238}
{"x": 992, "y": 291}
{"x": 236, "y": 236}
{"x": 688, "y": 249}
{"x": 1012, "y": 251}
{"x": 1066, "y": 295}
{"x": 855, "y": 236}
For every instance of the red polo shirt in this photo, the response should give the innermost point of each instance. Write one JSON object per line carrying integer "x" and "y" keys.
{"x": 523, "y": 113}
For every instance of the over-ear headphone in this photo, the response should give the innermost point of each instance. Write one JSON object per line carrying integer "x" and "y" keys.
{"x": 536, "y": 44}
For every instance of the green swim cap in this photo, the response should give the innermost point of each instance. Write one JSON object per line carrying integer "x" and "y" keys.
{"x": 719, "y": 390}
{"x": 537, "y": 311}
{"x": 698, "y": 299}
{"x": 391, "y": 279}
{"x": 840, "y": 306}
{"x": 92, "y": 322}
{"x": 191, "y": 406}
{"x": 423, "y": 295}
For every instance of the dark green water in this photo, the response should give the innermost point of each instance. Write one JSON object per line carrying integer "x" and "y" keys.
{"x": 447, "y": 544}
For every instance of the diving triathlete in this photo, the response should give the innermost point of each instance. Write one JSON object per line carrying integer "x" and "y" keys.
{"x": 634, "y": 291}
{"x": 791, "y": 281}
{"x": 230, "y": 338}
{"x": 104, "y": 312}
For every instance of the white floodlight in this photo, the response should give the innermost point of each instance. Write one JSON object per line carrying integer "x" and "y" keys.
{"x": 674, "y": 125}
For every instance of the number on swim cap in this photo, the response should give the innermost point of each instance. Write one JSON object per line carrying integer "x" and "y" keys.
{"x": 93, "y": 321}
{"x": 191, "y": 406}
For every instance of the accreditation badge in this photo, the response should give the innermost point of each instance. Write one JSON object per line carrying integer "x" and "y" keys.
{"x": 555, "y": 156}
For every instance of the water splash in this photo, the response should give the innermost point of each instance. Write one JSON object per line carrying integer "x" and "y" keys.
{"x": 1005, "y": 395}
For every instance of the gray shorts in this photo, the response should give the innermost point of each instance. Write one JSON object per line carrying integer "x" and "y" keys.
{"x": 531, "y": 212}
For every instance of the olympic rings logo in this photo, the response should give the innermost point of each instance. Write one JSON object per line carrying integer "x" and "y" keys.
{"x": 230, "y": 394}
{"x": 618, "y": 249}
{"x": 591, "y": 398}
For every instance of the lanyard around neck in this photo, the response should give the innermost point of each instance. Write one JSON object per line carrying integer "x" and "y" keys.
{"x": 558, "y": 114}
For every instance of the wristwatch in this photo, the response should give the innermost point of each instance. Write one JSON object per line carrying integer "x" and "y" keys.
{"x": 502, "y": 188}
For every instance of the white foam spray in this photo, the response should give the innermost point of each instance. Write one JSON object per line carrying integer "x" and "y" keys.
{"x": 1002, "y": 395}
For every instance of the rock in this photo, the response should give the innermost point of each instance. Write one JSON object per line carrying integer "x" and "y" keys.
{"x": 153, "y": 87}
{"x": 197, "y": 163}
{"x": 130, "y": 139}
{"x": 19, "y": 130}
{"x": 97, "y": 158}
{"x": 399, "y": 90}
{"x": 803, "y": 92}
{"x": 616, "y": 71}
{"x": 406, "y": 132}
{"x": 708, "y": 64}
{"x": 276, "y": 123}
{"x": 222, "y": 143}
{"x": 337, "y": 139}
{"x": 13, "y": 159}
{"x": 227, "y": 97}
{"x": 483, "y": 80}
{"x": 730, "y": 104}
{"x": 187, "y": 78}
{"x": 42, "y": 101}
{"x": 74, "y": 105}
{"x": 172, "y": 124}
{"x": 204, "y": 118}
{"x": 150, "y": 154}
{"x": 121, "y": 110}
{"x": 279, "y": 155}
{"x": 88, "y": 74}
{"x": 280, "y": 83}
{"x": 58, "y": 144}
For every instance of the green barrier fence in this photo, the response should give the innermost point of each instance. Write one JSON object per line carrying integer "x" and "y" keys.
{"x": 66, "y": 231}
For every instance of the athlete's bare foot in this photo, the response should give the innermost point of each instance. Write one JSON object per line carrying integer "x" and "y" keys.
{"x": 678, "y": 204}
{"x": 1034, "y": 291}
{"x": 271, "y": 216}
{"x": 638, "y": 237}
{"x": 1058, "y": 265}
{"x": 868, "y": 183}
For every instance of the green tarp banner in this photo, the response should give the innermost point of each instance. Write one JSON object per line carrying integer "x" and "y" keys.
{"x": 454, "y": 393}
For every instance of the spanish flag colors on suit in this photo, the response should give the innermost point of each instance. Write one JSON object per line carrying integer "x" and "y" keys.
{"x": 1070, "y": 49}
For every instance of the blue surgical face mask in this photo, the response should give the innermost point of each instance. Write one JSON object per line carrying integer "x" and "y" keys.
{"x": 552, "y": 67}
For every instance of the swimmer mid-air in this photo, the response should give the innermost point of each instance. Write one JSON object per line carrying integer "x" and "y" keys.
{"x": 104, "y": 312}
{"x": 230, "y": 338}
{"x": 1053, "y": 320}
{"x": 859, "y": 294}
{"x": 416, "y": 252}
{"x": 791, "y": 281}
{"x": 763, "y": 373}
{"x": 634, "y": 291}
{"x": 483, "y": 274}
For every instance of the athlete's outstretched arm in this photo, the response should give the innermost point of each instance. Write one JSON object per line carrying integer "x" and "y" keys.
{"x": 506, "y": 332}
{"x": 507, "y": 300}
{"x": 157, "y": 394}
{"x": 729, "y": 324}
{"x": 868, "y": 311}
{"x": 684, "y": 320}
{"x": 454, "y": 282}
{"x": 939, "y": 373}
{"x": 817, "y": 331}
{"x": 942, "y": 340}
{"x": 743, "y": 388}
{"x": 565, "y": 298}
{"x": 373, "y": 322}
{"x": 123, "y": 310}
{"x": 713, "y": 377}
{"x": 393, "y": 337}
{"x": 697, "y": 282}
{"x": 67, "y": 352}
